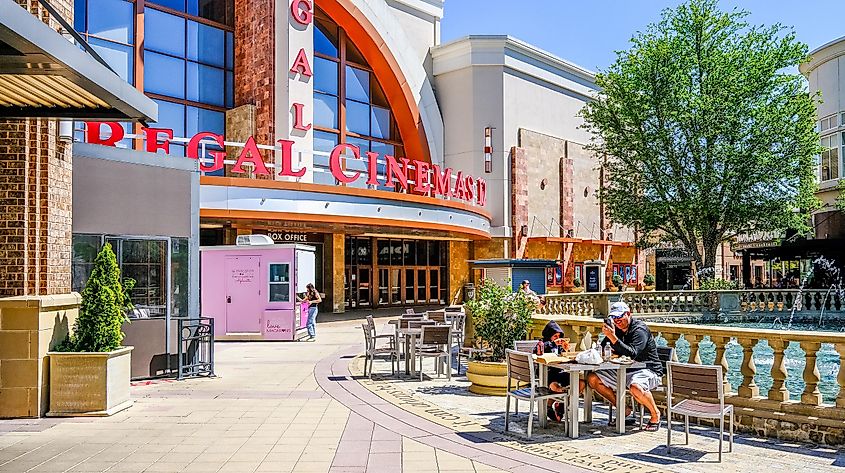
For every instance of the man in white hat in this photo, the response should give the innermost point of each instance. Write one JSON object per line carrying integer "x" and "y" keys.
{"x": 632, "y": 338}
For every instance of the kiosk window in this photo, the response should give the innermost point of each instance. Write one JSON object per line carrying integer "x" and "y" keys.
{"x": 279, "y": 282}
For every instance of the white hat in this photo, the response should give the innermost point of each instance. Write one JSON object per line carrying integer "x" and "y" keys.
{"x": 619, "y": 308}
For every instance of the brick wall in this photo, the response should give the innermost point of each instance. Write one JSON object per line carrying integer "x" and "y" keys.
{"x": 255, "y": 65}
{"x": 35, "y": 201}
{"x": 566, "y": 193}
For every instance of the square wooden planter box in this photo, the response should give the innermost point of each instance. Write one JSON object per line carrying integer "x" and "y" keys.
{"x": 89, "y": 383}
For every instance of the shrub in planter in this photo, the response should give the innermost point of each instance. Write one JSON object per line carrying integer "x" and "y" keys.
{"x": 648, "y": 280}
{"x": 89, "y": 371}
{"x": 499, "y": 317}
{"x": 617, "y": 280}
{"x": 576, "y": 282}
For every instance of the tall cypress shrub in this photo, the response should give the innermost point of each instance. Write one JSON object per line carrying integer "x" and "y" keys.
{"x": 104, "y": 301}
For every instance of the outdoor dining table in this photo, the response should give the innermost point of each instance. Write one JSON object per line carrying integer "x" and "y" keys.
{"x": 574, "y": 369}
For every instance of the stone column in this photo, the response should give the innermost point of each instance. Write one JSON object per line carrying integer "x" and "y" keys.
{"x": 779, "y": 391}
{"x": 337, "y": 253}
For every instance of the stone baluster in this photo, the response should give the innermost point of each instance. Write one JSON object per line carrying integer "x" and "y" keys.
{"x": 840, "y": 378}
{"x": 671, "y": 340}
{"x": 721, "y": 345}
{"x": 811, "y": 395}
{"x": 694, "y": 351}
{"x": 748, "y": 388}
{"x": 778, "y": 391}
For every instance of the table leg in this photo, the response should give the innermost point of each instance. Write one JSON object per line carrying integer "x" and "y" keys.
{"x": 414, "y": 355}
{"x": 541, "y": 413}
{"x": 620, "y": 399}
{"x": 407, "y": 355}
{"x": 573, "y": 405}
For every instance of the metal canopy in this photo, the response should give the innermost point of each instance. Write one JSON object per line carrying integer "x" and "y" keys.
{"x": 42, "y": 74}
{"x": 513, "y": 263}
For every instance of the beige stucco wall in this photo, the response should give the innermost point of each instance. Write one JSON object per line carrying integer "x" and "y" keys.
{"x": 543, "y": 153}
{"x": 30, "y": 326}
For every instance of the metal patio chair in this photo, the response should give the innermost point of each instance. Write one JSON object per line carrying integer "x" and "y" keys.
{"x": 438, "y": 316}
{"x": 435, "y": 342}
{"x": 521, "y": 368}
{"x": 525, "y": 346}
{"x": 372, "y": 351}
{"x": 695, "y": 382}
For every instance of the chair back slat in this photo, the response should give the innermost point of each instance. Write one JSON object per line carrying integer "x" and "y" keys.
{"x": 520, "y": 366}
{"x": 368, "y": 336}
{"x": 457, "y": 319}
{"x": 695, "y": 381}
{"x": 371, "y": 322}
{"x": 437, "y": 315}
{"x": 525, "y": 346}
{"x": 436, "y": 334}
{"x": 420, "y": 323}
{"x": 409, "y": 311}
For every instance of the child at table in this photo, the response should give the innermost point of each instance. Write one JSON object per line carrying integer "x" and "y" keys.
{"x": 558, "y": 379}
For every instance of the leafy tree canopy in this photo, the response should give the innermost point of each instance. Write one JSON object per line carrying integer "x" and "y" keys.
{"x": 705, "y": 132}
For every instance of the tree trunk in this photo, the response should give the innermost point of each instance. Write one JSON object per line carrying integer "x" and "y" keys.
{"x": 709, "y": 268}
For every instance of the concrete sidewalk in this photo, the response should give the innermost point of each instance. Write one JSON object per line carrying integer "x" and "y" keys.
{"x": 265, "y": 412}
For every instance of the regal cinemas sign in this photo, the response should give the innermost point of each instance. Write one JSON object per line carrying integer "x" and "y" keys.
{"x": 410, "y": 175}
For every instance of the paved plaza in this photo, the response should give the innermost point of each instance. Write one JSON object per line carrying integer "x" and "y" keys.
{"x": 281, "y": 407}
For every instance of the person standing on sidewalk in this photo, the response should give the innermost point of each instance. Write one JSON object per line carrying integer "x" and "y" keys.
{"x": 312, "y": 297}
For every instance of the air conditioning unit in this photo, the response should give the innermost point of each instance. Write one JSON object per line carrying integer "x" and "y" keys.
{"x": 253, "y": 240}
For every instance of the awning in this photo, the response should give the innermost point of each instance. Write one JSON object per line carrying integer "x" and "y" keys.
{"x": 42, "y": 74}
{"x": 513, "y": 263}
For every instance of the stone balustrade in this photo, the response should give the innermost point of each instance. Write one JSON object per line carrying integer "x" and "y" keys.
{"x": 807, "y": 303}
{"x": 767, "y": 410}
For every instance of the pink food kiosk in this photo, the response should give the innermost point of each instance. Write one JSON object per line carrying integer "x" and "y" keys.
{"x": 250, "y": 289}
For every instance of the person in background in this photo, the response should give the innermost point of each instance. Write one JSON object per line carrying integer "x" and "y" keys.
{"x": 525, "y": 286}
{"x": 312, "y": 297}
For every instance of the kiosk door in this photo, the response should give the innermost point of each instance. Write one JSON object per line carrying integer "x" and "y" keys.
{"x": 244, "y": 303}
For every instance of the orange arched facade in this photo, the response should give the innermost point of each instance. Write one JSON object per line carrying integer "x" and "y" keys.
{"x": 368, "y": 40}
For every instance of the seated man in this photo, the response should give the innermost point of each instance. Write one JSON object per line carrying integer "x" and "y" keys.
{"x": 632, "y": 338}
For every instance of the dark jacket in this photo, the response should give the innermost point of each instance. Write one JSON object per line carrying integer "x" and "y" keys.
{"x": 549, "y": 330}
{"x": 638, "y": 344}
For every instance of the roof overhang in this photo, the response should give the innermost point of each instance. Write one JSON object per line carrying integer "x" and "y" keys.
{"x": 42, "y": 74}
{"x": 513, "y": 263}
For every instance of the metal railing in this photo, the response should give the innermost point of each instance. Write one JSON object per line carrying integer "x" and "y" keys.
{"x": 196, "y": 347}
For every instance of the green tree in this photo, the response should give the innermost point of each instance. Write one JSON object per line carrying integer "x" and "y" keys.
{"x": 703, "y": 131}
{"x": 104, "y": 302}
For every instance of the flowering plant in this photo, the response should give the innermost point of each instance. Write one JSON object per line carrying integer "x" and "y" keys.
{"x": 500, "y": 317}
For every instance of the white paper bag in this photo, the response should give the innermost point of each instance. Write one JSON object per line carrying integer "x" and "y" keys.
{"x": 589, "y": 357}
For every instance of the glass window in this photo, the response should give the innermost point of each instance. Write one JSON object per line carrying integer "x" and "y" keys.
{"x": 164, "y": 32}
{"x": 357, "y": 117}
{"x": 206, "y": 44}
{"x": 325, "y": 110}
{"x": 171, "y": 115}
{"x": 205, "y": 84}
{"x": 111, "y": 19}
{"x": 172, "y": 4}
{"x": 323, "y": 143}
{"x": 221, "y": 11}
{"x": 230, "y": 50}
{"x": 830, "y": 158}
{"x": 279, "y": 281}
{"x": 325, "y": 38}
{"x": 357, "y": 84}
{"x": 85, "y": 248}
{"x": 118, "y": 56}
{"x": 200, "y": 119}
{"x": 230, "y": 89}
{"x": 325, "y": 76}
{"x": 380, "y": 122}
{"x": 383, "y": 249}
{"x": 164, "y": 75}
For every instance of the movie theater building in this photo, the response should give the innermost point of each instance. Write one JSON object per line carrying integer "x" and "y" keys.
{"x": 346, "y": 125}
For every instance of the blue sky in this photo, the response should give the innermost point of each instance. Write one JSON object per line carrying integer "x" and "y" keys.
{"x": 587, "y": 32}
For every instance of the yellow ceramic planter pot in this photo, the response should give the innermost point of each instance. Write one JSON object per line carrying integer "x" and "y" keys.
{"x": 489, "y": 378}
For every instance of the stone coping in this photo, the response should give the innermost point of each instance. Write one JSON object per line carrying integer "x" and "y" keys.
{"x": 93, "y": 354}
{"x": 51, "y": 302}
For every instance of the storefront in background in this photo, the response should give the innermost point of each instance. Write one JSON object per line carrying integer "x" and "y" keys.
{"x": 397, "y": 157}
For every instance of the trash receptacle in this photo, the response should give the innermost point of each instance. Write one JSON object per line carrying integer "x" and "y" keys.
{"x": 469, "y": 291}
